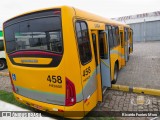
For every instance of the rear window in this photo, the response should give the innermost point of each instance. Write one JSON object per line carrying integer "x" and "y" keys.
{"x": 37, "y": 33}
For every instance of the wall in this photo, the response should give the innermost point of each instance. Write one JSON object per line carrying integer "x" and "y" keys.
{"x": 146, "y": 30}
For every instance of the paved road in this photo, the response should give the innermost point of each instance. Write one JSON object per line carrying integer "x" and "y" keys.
{"x": 143, "y": 67}
{"x": 5, "y": 84}
{"x": 123, "y": 101}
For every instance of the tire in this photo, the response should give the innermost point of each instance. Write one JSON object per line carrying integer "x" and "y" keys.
{"x": 3, "y": 64}
{"x": 115, "y": 74}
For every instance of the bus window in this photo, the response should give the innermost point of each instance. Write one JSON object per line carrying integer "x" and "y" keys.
{"x": 101, "y": 45}
{"x": 83, "y": 42}
{"x": 35, "y": 34}
{"x": 117, "y": 35}
{"x": 95, "y": 47}
{"x": 115, "y": 32}
{"x": 110, "y": 37}
{"x": 114, "y": 36}
{"x": 55, "y": 41}
{"x": 121, "y": 34}
{"x": 126, "y": 34}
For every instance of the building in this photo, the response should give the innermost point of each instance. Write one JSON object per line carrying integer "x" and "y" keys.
{"x": 146, "y": 26}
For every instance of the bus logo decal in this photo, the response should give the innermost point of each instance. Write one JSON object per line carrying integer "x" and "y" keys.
{"x": 29, "y": 61}
{"x": 96, "y": 25}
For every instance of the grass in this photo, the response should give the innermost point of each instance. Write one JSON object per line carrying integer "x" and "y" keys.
{"x": 9, "y": 98}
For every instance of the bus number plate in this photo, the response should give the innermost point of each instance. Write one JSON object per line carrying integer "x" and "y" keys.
{"x": 54, "y": 80}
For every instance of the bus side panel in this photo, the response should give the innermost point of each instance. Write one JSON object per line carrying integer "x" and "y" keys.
{"x": 89, "y": 84}
{"x": 113, "y": 58}
{"x": 72, "y": 66}
{"x": 89, "y": 80}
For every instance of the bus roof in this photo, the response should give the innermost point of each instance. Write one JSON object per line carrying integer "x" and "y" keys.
{"x": 79, "y": 13}
{"x": 91, "y": 16}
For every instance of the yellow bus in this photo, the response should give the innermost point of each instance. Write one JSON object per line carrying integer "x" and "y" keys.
{"x": 62, "y": 59}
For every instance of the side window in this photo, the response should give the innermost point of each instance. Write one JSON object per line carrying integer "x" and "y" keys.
{"x": 114, "y": 35}
{"x": 115, "y": 32}
{"x": 129, "y": 34}
{"x": 83, "y": 42}
{"x": 101, "y": 45}
{"x": 121, "y": 34}
{"x": 110, "y": 37}
{"x": 126, "y": 34}
{"x": 95, "y": 47}
{"x": 117, "y": 35}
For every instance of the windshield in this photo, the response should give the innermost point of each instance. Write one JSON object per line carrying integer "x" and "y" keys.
{"x": 35, "y": 34}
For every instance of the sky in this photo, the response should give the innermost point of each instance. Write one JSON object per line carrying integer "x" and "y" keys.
{"x": 105, "y": 8}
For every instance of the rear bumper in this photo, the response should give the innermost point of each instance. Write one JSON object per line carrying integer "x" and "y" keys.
{"x": 75, "y": 111}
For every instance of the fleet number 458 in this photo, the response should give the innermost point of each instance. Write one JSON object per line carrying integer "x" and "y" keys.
{"x": 87, "y": 71}
{"x": 54, "y": 79}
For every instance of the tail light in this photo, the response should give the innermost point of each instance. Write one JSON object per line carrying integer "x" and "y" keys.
{"x": 13, "y": 88}
{"x": 70, "y": 93}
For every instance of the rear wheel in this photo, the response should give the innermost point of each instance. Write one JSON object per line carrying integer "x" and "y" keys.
{"x": 115, "y": 74}
{"x": 2, "y": 64}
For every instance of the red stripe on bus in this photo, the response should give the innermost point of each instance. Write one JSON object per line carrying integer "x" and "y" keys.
{"x": 33, "y": 53}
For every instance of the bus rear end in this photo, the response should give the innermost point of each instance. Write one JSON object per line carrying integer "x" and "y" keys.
{"x": 35, "y": 53}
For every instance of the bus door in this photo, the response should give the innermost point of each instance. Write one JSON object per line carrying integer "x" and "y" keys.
{"x": 105, "y": 59}
{"x": 122, "y": 48}
{"x": 126, "y": 44}
{"x": 97, "y": 63}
